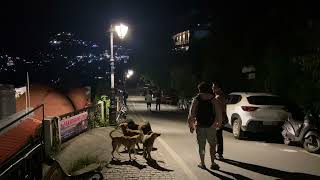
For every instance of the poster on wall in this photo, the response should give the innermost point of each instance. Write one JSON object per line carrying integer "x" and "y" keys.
{"x": 74, "y": 125}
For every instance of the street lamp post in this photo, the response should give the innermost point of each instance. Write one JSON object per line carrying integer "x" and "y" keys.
{"x": 121, "y": 31}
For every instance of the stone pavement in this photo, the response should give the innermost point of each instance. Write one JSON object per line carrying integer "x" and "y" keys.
{"x": 97, "y": 143}
{"x": 138, "y": 168}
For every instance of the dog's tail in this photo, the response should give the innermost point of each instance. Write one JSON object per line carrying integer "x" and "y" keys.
{"x": 111, "y": 133}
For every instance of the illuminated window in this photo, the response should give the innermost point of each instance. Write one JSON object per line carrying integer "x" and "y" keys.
{"x": 188, "y": 36}
{"x": 184, "y": 38}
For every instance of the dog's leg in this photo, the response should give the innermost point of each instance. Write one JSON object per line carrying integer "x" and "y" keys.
{"x": 118, "y": 150}
{"x": 135, "y": 152}
{"x": 129, "y": 152}
{"x": 114, "y": 147}
{"x": 138, "y": 146}
{"x": 144, "y": 152}
{"x": 149, "y": 153}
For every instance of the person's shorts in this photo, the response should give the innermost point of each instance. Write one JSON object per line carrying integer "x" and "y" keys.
{"x": 148, "y": 104}
{"x": 206, "y": 134}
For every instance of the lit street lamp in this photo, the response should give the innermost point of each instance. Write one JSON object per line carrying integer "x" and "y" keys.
{"x": 129, "y": 73}
{"x": 121, "y": 30}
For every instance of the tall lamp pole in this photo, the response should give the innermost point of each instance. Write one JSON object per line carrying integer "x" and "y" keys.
{"x": 121, "y": 31}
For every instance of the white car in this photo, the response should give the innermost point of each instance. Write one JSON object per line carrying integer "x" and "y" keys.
{"x": 254, "y": 112}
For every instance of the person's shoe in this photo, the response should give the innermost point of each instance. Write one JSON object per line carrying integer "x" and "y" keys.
{"x": 219, "y": 156}
{"x": 214, "y": 166}
{"x": 202, "y": 166}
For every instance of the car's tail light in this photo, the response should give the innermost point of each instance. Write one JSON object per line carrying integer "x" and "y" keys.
{"x": 249, "y": 108}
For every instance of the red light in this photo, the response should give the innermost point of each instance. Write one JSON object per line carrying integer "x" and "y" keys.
{"x": 249, "y": 108}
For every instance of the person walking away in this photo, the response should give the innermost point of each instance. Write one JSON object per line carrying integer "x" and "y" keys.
{"x": 125, "y": 97}
{"x": 220, "y": 97}
{"x": 205, "y": 116}
{"x": 148, "y": 99}
{"x": 158, "y": 100}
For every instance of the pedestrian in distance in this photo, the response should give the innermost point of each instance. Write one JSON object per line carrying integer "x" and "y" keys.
{"x": 205, "y": 116}
{"x": 125, "y": 97}
{"x": 220, "y": 97}
{"x": 158, "y": 100}
{"x": 148, "y": 99}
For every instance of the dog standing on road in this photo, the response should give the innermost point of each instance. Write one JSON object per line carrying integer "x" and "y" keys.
{"x": 128, "y": 141}
{"x": 148, "y": 144}
{"x": 129, "y": 132}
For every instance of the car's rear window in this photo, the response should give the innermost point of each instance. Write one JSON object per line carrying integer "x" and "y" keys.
{"x": 264, "y": 100}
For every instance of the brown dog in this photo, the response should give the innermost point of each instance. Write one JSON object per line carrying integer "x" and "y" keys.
{"x": 148, "y": 144}
{"x": 128, "y": 141}
{"x": 130, "y": 132}
{"x": 146, "y": 128}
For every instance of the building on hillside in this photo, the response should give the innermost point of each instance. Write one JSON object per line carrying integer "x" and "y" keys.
{"x": 183, "y": 39}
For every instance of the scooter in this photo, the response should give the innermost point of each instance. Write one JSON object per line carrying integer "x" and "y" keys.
{"x": 303, "y": 132}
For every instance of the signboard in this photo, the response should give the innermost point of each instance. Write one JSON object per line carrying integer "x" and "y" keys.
{"x": 73, "y": 125}
{"x": 20, "y": 91}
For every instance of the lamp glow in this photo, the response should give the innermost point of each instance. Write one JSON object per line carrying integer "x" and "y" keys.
{"x": 130, "y": 72}
{"x": 121, "y": 30}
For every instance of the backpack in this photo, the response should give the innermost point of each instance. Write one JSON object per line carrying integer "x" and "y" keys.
{"x": 205, "y": 113}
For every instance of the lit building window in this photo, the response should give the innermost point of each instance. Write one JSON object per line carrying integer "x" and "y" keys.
{"x": 184, "y": 38}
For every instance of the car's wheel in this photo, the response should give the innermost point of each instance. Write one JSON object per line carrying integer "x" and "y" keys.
{"x": 312, "y": 144}
{"x": 236, "y": 129}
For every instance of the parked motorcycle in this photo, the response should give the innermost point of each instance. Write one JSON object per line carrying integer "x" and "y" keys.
{"x": 304, "y": 132}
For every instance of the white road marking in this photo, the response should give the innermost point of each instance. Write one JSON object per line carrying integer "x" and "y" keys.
{"x": 179, "y": 160}
{"x": 288, "y": 150}
{"x": 174, "y": 155}
{"x": 262, "y": 143}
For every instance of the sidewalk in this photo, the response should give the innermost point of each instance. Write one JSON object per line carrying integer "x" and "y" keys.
{"x": 140, "y": 168}
{"x": 97, "y": 143}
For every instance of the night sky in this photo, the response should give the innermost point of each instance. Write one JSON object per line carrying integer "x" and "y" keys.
{"x": 27, "y": 25}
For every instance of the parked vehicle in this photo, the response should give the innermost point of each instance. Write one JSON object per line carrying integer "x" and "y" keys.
{"x": 255, "y": 112}
{"x": 169, "y": 100}
{"x": 303, "y": 131}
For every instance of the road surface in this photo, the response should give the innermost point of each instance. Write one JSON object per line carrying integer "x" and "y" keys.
{"x": 244, "y": 159}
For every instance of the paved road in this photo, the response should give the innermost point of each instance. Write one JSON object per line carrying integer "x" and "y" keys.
{"x": 245, "y": 159}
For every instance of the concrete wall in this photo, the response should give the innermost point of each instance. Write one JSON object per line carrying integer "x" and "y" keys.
{"x": 7, "y": 100}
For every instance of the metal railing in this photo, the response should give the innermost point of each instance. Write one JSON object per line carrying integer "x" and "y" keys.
{"x": 23, "y": 116}
{"x": 26, "y": 163}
